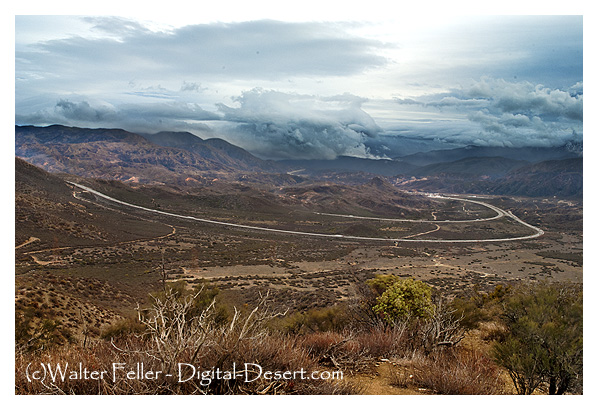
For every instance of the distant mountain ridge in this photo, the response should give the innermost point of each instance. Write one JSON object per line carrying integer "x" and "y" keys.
{"x": 560, "y": 178}
{"x": 530, "y": 154}
{"x": 471, "y": 167}
{"x": 215, "y": 149}
{"x": 181, "y": 158}
{"x": 121, "y": 155}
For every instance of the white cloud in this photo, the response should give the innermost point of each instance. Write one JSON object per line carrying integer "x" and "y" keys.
{"x": 133, "y": 117}
{"x": 280, "y": 125}
{"x": 504, "y": 113}
{"x": 525, "y": 97}
{"x": 334, "y": 87}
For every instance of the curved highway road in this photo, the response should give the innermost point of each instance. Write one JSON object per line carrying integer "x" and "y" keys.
{"x": 500, "y": 213}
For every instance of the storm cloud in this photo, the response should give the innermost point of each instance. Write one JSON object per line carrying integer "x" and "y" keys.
{"x": 148, "y": 118}
{"x": 503, "y": 113}
{"x": 246, "y": 50}
{"x": 279, "y": 125}
{"x": 313, "y": 89}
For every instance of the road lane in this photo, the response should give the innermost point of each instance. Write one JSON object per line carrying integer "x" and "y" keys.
{"x": 500, "y": 213}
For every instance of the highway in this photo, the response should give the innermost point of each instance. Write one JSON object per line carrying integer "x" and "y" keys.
{"x": 500, "y": 213}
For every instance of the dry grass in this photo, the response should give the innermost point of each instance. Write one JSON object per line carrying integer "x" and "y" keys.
{"x": 454, "y": 371}
{"x": 354, "y": 351}
{"x": 180, "y": 342}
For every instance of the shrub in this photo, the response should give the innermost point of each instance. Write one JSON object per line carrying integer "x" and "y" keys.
{"x": 544, "y": 338}
{"x": 354, "y": 351}
{"x": 122, "y": 328}
{"x": 381, "y": 282}
{"x": 333, "y": 318}
{"x": 455, "y": 371}
{"x": 480, "y": 307}
{"x": 36, "y": 330}
{"x": 405, "y": 299}
{"x": 174, "y": 335}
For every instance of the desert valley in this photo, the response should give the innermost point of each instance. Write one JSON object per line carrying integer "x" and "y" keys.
{"x": 92, "y": 242}
{"x": 301, "y": 201}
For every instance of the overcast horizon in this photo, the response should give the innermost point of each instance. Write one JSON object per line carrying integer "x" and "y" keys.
{"x": 309, "y": 89}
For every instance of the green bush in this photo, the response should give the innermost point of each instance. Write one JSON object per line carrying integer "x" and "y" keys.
{"x": 405, "y": 299}
{"x": 479, "y": 307}
{"x": 333, "y": 318}
{"x": 544, "y": 339}
{"x": 122, "y": 328}
{"x": 381, "y": 282}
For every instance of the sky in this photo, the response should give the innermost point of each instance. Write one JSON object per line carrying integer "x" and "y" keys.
{"x": 299, "y": 85}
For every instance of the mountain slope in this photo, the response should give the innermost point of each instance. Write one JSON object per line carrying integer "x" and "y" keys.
{"x": 46, "y": 209}
{"x": 560, "y": 178}
{"x": 214, "y": 149}
{"x": 115, "y": 154}
{"x": 531, "y": 154}
{"x": 471, "y": 167}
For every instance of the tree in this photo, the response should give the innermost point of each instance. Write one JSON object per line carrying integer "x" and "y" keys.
{"x": 544, "y": 338}
{"x": 405, "y": 299}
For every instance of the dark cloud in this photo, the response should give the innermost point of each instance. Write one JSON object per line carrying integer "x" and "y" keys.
{"x": 84, "y": 111}
{"x": 314, "y": 76}
{"x": 280, "y": 125}
{"x": 506, "y": 113}
{"x": 248, "y": 50}
{"x": 133, "y": 117}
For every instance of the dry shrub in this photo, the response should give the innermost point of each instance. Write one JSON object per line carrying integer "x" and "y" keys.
{"x": 354, "y": 351}
{"x": 492, "y": 331}
{"x": 272, "y": 353}
{"x": 173, "y": 337}
{"x": 457, "y": 371}
{"x": 382, "y": 342}
{"x": 121, "y": 328}
{"x": 319, "y": 344}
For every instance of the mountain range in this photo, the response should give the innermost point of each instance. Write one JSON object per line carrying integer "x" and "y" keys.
{"x": 115, "y": 154}
{"x": 181, "y": 158}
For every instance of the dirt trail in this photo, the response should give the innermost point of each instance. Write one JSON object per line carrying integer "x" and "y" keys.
{"x": 380, "y": 383}
{"x": 426, "y": 232}
{"x": 31, "y": 240}
{"x": 500, "y": 213}
{"x": 41, "y": 262}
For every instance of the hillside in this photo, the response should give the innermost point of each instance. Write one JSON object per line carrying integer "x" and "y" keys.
{"x": 215, "y": 149}
{"x": 115, "y": 154}
{"x": 45, "y": 209}
{"x": 530, "y": 154}
{"x": 560, "y": 178}
{"x": 471, "y": 167}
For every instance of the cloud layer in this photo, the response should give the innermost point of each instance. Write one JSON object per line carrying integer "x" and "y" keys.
{"x": 251, "y": 50}
{"x": 149, "y": 117}
{"x": 309, "y": 89}
{"x": 501, "y": 113}
{"x": 279, "y": 125}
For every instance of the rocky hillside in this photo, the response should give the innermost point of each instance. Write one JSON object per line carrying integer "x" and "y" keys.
{"x": 115, "y": 154}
